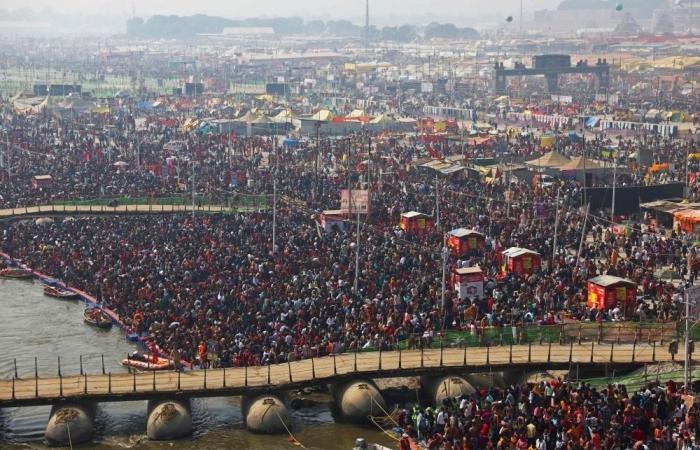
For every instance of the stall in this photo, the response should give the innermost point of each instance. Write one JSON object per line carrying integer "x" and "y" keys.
{"x": 468, "y": 282}
{"x": 520, "y": 261}
{"x": 332, "y": 218}
{"x": 41, "y": 181}
{"x": 417, "y": 223}
{"x": 463, "y": 241}
{"x": 607, "y": 291}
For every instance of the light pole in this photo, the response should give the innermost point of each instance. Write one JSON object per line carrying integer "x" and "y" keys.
{"x": 274, "y": 199}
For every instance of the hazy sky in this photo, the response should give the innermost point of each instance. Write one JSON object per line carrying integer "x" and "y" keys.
{"x": 381, "y": 10}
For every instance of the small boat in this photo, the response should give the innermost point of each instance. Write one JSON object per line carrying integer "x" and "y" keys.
{"x": 361, "y": 444}
{"x": 97, "y": 318}
{"x": 145, "y": 362}
{"x": 56, "y": 292}
{"x": 15, "y": 272}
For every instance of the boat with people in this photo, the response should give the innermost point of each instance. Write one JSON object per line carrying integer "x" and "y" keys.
{"x": 97, "y": 318}
{"x": 57, "y": 292}
{"x": 361, "y": 444}
{"x": 141, "y": 361}
{"x": 16, "y": 273}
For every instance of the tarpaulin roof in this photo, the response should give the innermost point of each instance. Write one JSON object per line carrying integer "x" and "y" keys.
{"x": 552, "y": 159}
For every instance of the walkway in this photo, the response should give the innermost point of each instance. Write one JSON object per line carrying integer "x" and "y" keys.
{"x": 323, "y": 370}
{"x": 51, "y": 210}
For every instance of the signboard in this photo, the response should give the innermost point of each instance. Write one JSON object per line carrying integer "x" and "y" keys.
{"x": 426, "y": 87}
{"x": 694, "y": 300}
{"x": 566, "y": 99}
{"x": 359, "y": 199}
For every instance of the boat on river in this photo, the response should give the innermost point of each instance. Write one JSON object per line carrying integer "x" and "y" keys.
{"x": 97, "y": 318}
{"x": 16, "y": 273}
{"x": 57, "y": 292}
{"x": 146, "y": 362}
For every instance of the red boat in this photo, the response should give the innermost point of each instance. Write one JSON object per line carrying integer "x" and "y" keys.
{"x": 63, "y": 294}
{"x": 97, "y": 318}
{"x": 15, "y": 272}
{"x": 144, "y": 362}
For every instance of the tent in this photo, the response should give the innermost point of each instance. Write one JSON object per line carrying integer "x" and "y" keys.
{"x": 578, "y": 163}
{"x": 552, "y": 159}
{"x": 323, "y": 115}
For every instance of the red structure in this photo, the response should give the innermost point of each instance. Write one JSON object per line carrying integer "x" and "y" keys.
{"x": 41, "y": 180}
{"x": 413, "y": 222}
{"x": 468, "y": 282}
{"x": 607, "y": 291}
{"x": 520, "y": 261}
{"x": 463, "y": 241}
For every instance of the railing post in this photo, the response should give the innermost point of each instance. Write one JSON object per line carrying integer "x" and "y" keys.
{"x": 224, "y": 377}
{"x": 619, "y": 330}
{"x": 59, "y": 367}
{"x": 178, "y": 379}
{"x": 510, "y": 354}
{"x": 205, "y": 376}
{"x": 313, "y": 369}
{"x": 245, "y": 382}
{"x": 488, "y": 354}
{"x": 60, "y": 386}
{"x": 441, "y": 350}
{"x": 571, "y": 351}
{"x": 634, "y": 348}
{"x": 14, "y": 361}
{"x": 81, "y": 364}
{"x": 549, "y": 352}
{"x": 579, "y": 333}
{"x": 355, "y": 359}
{"x": 612, "y": 346}
{"x": 103, "y": 363}
{"x": 85, "y": 383}
{"x": 36, "y": 368}
{"x": 465, "y": 356}
{"x": 335, "y": 368}
{"x": 421, "y": 356}
{"x": 592, "y": 350}
{"x": 653, "y": 352}
{"x": 380, "y": 357}
{"x": 289, "y": 366}
{"x": 134, "y": 372}
{"x": 109, "y": 383}
{"x": 13, "y": 388}
{"x": 154, "y": 380}
{"x": 269, "y": 377}
{"x": 529, "y": 352}
{"x": 400, "y": 356}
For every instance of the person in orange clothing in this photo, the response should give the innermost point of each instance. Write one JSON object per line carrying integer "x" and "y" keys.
{"x": 202, "y": 352}
{"x": 405, "y": 442}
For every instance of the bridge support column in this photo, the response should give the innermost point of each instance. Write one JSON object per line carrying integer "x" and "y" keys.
{"x": 437, "y": 389}
{"x": 266, "y": 414}
{"x": 552, "y": 82}
{"x": 70, "y": 423}
{"x": 359, "y": 399}
{"x": 168, "y": 419}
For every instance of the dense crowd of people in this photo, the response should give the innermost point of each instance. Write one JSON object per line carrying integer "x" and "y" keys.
{"x": 553, "y": 415}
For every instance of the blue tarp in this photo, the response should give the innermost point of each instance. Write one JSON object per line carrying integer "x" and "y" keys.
{"x": 290, "y": 142}
{"x": 141, "y": 104}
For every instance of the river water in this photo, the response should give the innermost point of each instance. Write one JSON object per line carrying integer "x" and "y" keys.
{"x": 34, "y": 325}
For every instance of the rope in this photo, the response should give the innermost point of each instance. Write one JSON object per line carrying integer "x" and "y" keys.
{"x": 70, "y": 441}
{"x": 291, "y": 436}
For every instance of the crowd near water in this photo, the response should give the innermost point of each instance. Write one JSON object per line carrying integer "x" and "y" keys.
{"x": 295, "y": 265}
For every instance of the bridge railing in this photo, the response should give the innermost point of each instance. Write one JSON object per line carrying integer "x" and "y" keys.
{"x": 41, "y": 390}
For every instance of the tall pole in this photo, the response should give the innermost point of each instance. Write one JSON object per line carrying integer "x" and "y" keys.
{"x": 521, "y": 17}
{"x": 437, "y": 203}
{"x": 444, "y": 270}
{"x": 556, "y": 228}
{"x": 193, "y": 186}
{"x": 612, "y": 213}
{"x": 687, "y": 331}
{"x": 274, "y": 199}
{"x": 357, "y": 249}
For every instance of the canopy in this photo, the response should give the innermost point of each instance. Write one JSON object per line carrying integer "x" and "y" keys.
{"x": 552, "y": 159}
{"x": 578, "y": 163}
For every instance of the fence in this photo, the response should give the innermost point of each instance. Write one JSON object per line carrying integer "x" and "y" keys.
{"x": 627, "y": 332}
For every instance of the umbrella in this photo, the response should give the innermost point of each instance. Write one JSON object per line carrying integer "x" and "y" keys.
{"x": 44, "y": 220}
{"x": 121, "y": 164}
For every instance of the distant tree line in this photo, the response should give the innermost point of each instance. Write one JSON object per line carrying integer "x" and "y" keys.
{"x": 184, "y": 27}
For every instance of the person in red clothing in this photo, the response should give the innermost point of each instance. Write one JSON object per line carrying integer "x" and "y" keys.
{"x": 405, "y": 442}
